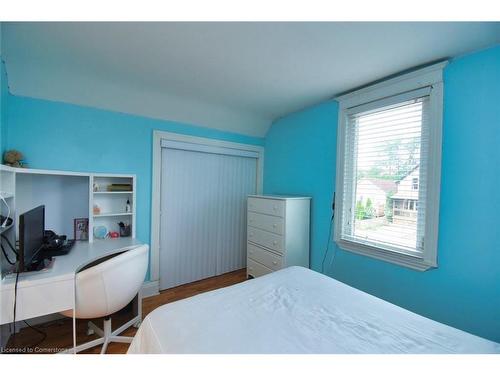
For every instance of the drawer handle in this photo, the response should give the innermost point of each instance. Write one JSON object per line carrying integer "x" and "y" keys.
{"x": 274, "y": 225}
{"x": 274, "y": 262}
{"x": 251, "y": 220}
{"x": 250, "y": 268}
{"x": 275, "y": 243}
{"x": 251, "y": 234}
{"x": 275, "y": 207}
{"x": 250, "y": 252}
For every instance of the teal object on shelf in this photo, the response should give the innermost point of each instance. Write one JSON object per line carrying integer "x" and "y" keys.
{"x": 100, "y": 232}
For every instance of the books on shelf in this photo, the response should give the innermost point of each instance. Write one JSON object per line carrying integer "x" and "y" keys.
{"x": 119, "y": 187}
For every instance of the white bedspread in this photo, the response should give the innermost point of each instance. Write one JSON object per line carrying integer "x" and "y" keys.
{"x": 296, "y": 310}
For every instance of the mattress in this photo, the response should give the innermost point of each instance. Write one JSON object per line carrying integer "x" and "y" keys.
{"x": 296, "y": 310}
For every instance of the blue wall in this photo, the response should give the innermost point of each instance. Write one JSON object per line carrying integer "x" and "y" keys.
{"x": 465, "y": 290}
{"x": 3, "y": 97}
{"x": 300, "y": 159}
{"x": 55, "y": 135}
{"x": 3, "y": 107}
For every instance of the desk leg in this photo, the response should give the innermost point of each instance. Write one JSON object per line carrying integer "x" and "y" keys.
{"x": 137, "y": 309}
{"x": 74, "y": 332}
{"x": 74, "y": 315}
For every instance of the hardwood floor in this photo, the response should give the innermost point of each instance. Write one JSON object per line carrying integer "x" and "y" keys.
{"x": 59, "y": 333}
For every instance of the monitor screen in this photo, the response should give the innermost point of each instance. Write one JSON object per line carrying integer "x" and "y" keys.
{"x": 31, "y": 232}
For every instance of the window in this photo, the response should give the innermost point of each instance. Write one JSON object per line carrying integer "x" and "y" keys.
{"x": 414, "y": 185}
{"x": 389, "y": 139}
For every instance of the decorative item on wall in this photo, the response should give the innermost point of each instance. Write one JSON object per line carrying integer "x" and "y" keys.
{"x": 81, "y": 229}
{"x": 95, "y": 187}
{"x": 14, "y": 158}
{"x": 127, "y": 206}
{"x": 96, "y": 209}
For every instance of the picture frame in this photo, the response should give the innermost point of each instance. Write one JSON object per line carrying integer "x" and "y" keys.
{"x": 81, "y": 229}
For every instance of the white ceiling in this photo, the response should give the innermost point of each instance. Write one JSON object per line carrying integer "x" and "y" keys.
{"x": 231, "y": 76}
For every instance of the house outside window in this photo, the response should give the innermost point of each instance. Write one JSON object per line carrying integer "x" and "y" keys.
{"x": 405, "y": 200}
{"x": 388, "y": 169}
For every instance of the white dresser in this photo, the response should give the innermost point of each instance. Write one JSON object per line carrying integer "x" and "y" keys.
{"x": 277, "y": 233}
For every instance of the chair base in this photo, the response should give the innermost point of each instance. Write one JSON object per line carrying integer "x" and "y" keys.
{"x": 107, "y": 335}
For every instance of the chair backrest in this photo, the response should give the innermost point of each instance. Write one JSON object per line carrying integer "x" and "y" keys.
{"x": 107, "y": 287}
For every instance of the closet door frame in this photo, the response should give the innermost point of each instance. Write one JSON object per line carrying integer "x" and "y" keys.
{"x": 193, "y": 143}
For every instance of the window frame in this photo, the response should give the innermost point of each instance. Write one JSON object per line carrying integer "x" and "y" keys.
{"x": 428, "y": 77}
{"x": 414, "y": 183}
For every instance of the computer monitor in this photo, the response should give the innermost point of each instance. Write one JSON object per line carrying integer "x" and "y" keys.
{"x": 31, "y": 232}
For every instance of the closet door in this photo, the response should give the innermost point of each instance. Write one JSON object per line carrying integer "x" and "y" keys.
{"x": 203, "y": 216}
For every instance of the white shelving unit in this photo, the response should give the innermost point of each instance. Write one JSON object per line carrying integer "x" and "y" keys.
{"x": 66, "y": 195}
{"x": 111, "y": 192}
{"x": 109, "y": 214}
{"x": 111, "y": 204}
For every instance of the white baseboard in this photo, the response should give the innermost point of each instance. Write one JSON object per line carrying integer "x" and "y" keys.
{"x": 150, "y": 288}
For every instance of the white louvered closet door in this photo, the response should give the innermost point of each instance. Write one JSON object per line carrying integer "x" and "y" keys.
{"x": 203, "y": 216}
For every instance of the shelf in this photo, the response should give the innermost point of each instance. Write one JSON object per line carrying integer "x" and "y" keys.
{"x": 113, "y": 192}
{"x": 113, "y": 214}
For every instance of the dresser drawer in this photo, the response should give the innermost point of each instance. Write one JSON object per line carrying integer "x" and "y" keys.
{"x": 267, "y": 222}
{"x": 256, "y": 269}
{"x": 266, "y": 239}
{"x": 265, "y": 257}
{"x": 266, "y": 206}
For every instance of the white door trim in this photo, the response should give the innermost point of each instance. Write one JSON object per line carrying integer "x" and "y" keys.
{"x": 150, "y": 288}
{"x": 158, "y": 136}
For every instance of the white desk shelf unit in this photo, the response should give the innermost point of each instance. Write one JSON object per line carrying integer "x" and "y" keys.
{"x": 66, "y": 195}
{"x": 277, "y": 233}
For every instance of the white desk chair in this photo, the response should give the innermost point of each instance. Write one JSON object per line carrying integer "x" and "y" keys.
{"x": 107, "y": 287}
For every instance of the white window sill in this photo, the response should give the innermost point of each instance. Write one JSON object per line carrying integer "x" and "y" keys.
{"x": 410, "y": 261}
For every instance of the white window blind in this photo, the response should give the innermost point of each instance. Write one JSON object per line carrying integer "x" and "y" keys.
{"x": 385, "y": 150}
{"x": 389, "y": 169}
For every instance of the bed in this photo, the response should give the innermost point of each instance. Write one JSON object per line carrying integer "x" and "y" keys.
{"x": 296, "y": 310}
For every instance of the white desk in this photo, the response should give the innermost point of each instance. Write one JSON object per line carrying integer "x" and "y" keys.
{"x": 51, "y": 291}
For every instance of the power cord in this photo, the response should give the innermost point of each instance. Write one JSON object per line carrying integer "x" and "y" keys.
{"x": 17, "y": 275}
{"x": 44, "y": 335}
{"x": 4, "y": 224}
{"x": 6, "y": 256}
{"x": 13, "y": 250}
{"x": 10, "y": 245}
{"x": 329, "y": 236}
{"x": 15, "y": 302}
{"x": 327, "y": 246}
